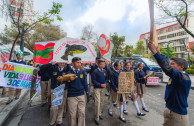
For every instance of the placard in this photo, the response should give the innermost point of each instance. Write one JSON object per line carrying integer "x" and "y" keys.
{"x": 58, "y": 95}
{"x": 67, "y": 48}
{"x": 18, "y": 76}
{"x": 152, "y": 80}
{"x": 126, "y": 82}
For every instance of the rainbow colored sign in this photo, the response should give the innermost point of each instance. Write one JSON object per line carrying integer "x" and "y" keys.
{"x": 18, "y": 76}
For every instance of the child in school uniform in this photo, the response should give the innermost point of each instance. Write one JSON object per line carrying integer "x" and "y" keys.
{"x": 99, "y": 79}
{"x": 177, "y": 89}
{"x": 128, "y": 69}
{"x": 76, "y": 98}
{"x": 114, "y": 93}
{"x": 140, "y": 78}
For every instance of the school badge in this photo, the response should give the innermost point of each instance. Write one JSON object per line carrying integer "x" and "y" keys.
{"x": 54, "y": 73}
{"x": 81, "y": 75}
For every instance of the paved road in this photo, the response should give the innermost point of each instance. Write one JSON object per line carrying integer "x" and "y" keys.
{"x": 39, "y": 116}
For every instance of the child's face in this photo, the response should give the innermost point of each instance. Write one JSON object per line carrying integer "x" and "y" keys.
{"x": 141, "y": 67}
{"x": 128, "y": 66}
{"x": 61, "y": 65}
{"x": 77, "y": 64}
{"x": 176, "y": 66}
{"x": 121, "y": 65}
{"x": 101, "y": 65}
{"x": 118, "y": 67}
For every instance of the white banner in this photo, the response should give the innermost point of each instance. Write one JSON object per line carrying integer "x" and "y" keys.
{"x": 58, "y": 95}
{"x": 67, "y": 48}
{"x": 152, "y": 80}
{"x": 18, "y": 76}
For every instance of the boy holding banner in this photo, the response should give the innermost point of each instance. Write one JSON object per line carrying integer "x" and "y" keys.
{"x": 76, "y": 95}
{"x": 99, "y": 79}
{"x": 19, "y": 60}
{"x": 177, "y": 89}
{"x": 55, "y": 70}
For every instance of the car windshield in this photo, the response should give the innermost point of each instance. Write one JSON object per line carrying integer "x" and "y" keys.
{"x": 149, "y": 61}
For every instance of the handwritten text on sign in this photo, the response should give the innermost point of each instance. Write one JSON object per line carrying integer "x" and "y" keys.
{"x": 67, "y": 48}
{"x": 17, "y": 76}
{"x": 152, "y": 80}
{"x": 126, "y": 82}
{"x": 58, "y": 96}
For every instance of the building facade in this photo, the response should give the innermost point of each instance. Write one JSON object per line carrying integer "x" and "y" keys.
{"x": 174, "y": 35}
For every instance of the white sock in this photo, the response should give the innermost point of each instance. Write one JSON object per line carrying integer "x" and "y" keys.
{"x": 136, "y": 106}
{"x": 121, "y": 111}
{"x": 137, "y": 96}
{"x": 124, "y": 106}
{"x": 142, "y": 102}
{"x": 111, "y": 105}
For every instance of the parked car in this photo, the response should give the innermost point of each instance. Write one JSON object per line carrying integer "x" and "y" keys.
{"x": 149, "y": 65}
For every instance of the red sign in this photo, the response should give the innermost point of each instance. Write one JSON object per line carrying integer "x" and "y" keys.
{"x": 152, "y": 80}
{"x": 103, "y": 44}
{"x": 190, "y": 44}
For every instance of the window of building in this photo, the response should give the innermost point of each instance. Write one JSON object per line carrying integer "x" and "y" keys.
{"x": 18, "y": 11}
{"x": 12, "y": 9}
{"x": 172, "y": 28}
{"x": 162, "y": 31}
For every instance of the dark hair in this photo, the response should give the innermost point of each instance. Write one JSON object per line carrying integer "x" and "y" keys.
{"x": 75, "y": 59}
{"x": 181, "y": 62}
{"x": 100, "y": 61}
{"x": 127, "y": 63}
{"x": 139, "y": 64}
{"x": 97, "y": 58}
{"x": 116, "y": 64}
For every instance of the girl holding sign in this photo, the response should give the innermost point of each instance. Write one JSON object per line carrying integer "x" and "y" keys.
{"x": 114, "y": 93}
{"x": 140, "y": 78}
{"x": 128, "y": 69}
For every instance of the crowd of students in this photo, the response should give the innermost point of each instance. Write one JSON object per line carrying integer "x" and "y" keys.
{"x": 102, "y": 78}
{"x": 93, "y": 80}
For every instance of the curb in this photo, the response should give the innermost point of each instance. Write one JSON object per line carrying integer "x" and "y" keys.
{"x": 8, "y": 109}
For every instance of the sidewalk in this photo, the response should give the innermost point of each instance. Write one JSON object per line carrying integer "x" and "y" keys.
{"x": 5, "y": 110}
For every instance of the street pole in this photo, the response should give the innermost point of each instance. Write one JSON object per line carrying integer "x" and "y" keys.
{"x": 168, "y": 51}
{"x": 189, "y": 60}
{"x": 22, "y": 40}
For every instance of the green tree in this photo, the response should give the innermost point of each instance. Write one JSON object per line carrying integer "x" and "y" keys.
{"x": 22, "y": 25}
{"x": 140, "y": 48}
{"x": 118, "y": 42}
{"x": 42, "y": 32}
{"x": 177, "y": 10}
{"x": 128, "y": 51}
{"x": 172, "y": 52}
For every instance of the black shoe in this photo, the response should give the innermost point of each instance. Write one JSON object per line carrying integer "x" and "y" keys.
{"x": 122, "y": 119}
{"x": 141, "y": 114}
{"x": 145, "y": 109}
{"x": 60, "y": 124}
{"x": 97, "y": 122}
{"x": 115, "y": 104}
{"x": 127, "y": 102}
{"x": 100, "y": 117}
{"x": 64, "y": 114}
{"x": 43, "y": 104}
{"x": 9, "y": 101}
{"x": 125, "y": 112}
{"x": 17, "y": 97}
{"x": 110, "y": 113}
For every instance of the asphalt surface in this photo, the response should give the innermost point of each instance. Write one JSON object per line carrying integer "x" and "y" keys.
{"x": 36, "y": 115}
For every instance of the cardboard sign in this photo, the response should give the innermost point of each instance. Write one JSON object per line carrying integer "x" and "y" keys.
{"x": 152, "y": 80}
{"x": 67, "y": 48}
{"x": 58, "y": 95}
{"x": 126, "y": 82}
{"x": 43, "y": 52}
{"x": 18, "y": 76}
{"x": 105, "y": 47}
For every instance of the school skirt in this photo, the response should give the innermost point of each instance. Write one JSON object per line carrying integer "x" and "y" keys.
{"x": 140, "y": 88}
{"x": 117, "y": 97}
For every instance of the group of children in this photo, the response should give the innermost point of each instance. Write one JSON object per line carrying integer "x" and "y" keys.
{"x": 101, "y": 76}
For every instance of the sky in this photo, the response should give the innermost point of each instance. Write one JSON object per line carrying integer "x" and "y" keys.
{"x": 129, "y": 18}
